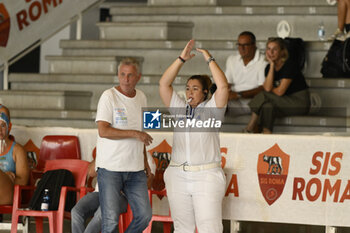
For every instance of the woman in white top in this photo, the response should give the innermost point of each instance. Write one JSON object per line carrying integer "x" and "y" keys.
{"x": 194, "y": 180}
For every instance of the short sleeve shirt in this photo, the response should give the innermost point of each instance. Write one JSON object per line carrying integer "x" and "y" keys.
{"x": 196, "y": 148}
{"x": 121, "y": 112}
{"x": 289, "y": 71}
{"x": 245, "y": 77}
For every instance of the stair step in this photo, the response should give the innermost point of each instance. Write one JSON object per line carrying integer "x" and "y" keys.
{"x": 37, "y": 99}
{"x": 233, "y": 20}
{"x": 85, "y": 119}
{"x": 42, "y": 78}
{"x": 146, "y": 30}
{"x": 252, "y": 9}
{"x": 53, "y": 114}
{"x": 48, "y": 78}
{"x": 235, "y": 2}
{"x": 330, "y": 96}
{"x": 308, "y": 120}
{"x": 85, "y": 64}
{"x": 95, "y": 79}
{"x": 148, "y": 84}
{"x": 193, "y": 2}
{"x": 286, "y": 2}
{"x": 311, "y": 45}
{"x": 53, "y": 118}
{"x": 164, "y": 52}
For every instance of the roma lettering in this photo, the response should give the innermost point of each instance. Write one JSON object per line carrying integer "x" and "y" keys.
{"x": 26, "y": 16}
{"x": 325, "y": 164}
{"x": 315, "y": 189}
{"x": 232, "y": 186}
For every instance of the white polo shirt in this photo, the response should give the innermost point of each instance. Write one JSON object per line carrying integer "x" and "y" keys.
{"x": 196, "y": 147}
{"x": 247, "y": 77}
{"x": 121, "y": 112}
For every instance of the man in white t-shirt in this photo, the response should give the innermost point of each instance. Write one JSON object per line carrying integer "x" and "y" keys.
{"x": 245, "y": 74}
{"x": 121, "y": 159}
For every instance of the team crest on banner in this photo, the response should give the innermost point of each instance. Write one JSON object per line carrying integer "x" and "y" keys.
{"x": 4, "y": 25}
{"x": 161, "y": 155}
{"x": 272, "y": 169}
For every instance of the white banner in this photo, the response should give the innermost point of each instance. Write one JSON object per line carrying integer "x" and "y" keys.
{"x": 272, "y": 178}
{"x": 24, "y": 22}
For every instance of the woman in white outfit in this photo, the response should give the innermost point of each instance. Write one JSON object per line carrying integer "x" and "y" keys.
{"x": 194, "y": 180}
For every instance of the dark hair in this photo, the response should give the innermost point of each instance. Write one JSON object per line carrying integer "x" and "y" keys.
{"x": 250, "y": 34}
{"x": 205, "y": 81}
{"x": 281, "y": 44}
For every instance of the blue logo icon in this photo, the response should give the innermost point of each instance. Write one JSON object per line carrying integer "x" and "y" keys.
{"x": 151, "y": 120}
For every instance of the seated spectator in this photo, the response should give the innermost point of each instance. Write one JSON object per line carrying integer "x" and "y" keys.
{"x": 89, "y": 206}
{"x": 14, "y": 168}
{"x": 245, "y": 74}
{"x": 285, "y": 90}
{"x": 343, "y": 20}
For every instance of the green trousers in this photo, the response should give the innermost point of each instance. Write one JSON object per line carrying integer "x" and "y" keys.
{"x": 268, "y": 106}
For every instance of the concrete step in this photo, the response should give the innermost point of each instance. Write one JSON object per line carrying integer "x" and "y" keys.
{"x": 93, "y": 64}
{"x": 288, "y": 2}
{"x": 146, "y": 30}
{"x": 53, "y": 118}
{"x": 85, "y": 119}
{"x": 38, "y": 99}
{"x": 223, "y": 23}
{"x": 308, "y": 124}
{"x": 159, "y": 54}
{"x": 193, "y": 2}
{"x": 330, "y": 96}
{"x": 325, "y": 88}
{"x": 95, "y": 84}
{"x": 253, "y": 9}
{"x": 235, "y": 2}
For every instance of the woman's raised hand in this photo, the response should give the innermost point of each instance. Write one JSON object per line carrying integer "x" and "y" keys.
{"x": 205, "y": 53}
{"x": 186, "y": 53}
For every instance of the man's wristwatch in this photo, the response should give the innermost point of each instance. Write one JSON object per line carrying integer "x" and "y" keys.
{"x": 210, "y": 59}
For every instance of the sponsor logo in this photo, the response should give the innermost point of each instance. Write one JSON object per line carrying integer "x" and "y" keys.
{"x": 182, "y": 121}
{"x": 151, "y": 120}
{"x": 272, "y": 169}
{"x": 161, "y": 155}
{"x": 4, "y": 25}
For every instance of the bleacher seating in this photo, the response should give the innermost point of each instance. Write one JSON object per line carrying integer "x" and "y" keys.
{"x": 87, "y": 67}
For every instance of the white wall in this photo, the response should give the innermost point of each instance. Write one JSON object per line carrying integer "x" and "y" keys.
{"x": 51, "y": 47}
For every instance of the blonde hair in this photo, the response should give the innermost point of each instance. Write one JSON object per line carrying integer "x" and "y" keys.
{"x": 280, "y": 42}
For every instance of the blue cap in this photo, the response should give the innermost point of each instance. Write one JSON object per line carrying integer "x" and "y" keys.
{"x": 4, "y": 117}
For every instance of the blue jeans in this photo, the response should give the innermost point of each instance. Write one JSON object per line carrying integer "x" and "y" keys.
{"x": 134, "y": 186}
{"x": 87, "y": 207}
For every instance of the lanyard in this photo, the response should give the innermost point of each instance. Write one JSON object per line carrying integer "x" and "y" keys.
{"x": 190, "y": 112}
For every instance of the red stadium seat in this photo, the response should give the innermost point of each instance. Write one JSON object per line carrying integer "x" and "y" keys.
{"x": 57, "y": 147}
{"x": 26, "y": 195}
{"x": 165, "y": 219}
{"x": 79, "y": 168}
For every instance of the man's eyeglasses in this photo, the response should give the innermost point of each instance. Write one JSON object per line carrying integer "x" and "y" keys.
{"x": 243, "y": 45}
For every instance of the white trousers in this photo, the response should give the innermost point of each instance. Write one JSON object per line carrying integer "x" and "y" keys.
{"x": 195, "y": 199}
